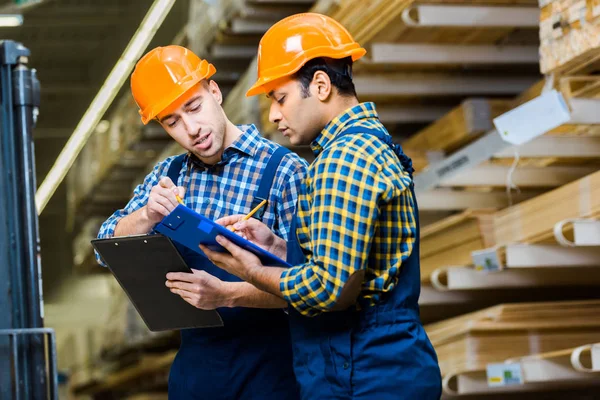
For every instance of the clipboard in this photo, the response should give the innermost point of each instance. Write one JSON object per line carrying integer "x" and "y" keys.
{"x": 190, "y": 229}
{"x": 140, "y": 264}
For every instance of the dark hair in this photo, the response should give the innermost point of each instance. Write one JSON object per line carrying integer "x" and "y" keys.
{"x": 338, "y": 70}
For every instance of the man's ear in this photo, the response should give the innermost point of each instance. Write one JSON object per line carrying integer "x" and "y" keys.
{"x": 321, "y": 85}
{"x": 215, "y": 91}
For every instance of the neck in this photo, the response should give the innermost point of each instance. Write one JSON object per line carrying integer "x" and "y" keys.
{"x": 232, "y": 133}
{"x": 339, "y": 105}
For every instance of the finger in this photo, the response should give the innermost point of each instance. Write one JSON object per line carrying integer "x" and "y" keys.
{"x": 229, "y": 220}
{"x": 180, "y": 276}
{"x": 158, "y": 208}
{"x": 166, "y": 182}
{"x": 185, "y": 297}
{"x": 216, "y": 256}
{"x": 235, "y": 250}
{"x": 185, "y": 286}
{"x": 180, "y": 191}
{"x": 167, "y": 199}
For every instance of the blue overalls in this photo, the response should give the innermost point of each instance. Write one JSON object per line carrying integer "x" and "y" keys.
{"x": 381, "y": 352}
{"x": 250, "y": 357}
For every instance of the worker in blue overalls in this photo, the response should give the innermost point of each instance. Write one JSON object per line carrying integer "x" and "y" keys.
{"x": 355, "y": 282}
{"x": 227, "y": 169}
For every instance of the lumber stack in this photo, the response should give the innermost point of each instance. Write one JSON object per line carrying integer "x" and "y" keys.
{"x": 533, "y": 221}
{"x": 460, "y": 126}
{"x": 471, "y": 341}
{"x": 569, "y": 36}
{"x": 451, "y": 240}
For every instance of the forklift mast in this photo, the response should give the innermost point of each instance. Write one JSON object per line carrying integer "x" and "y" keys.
{"x": 27, "y": 349}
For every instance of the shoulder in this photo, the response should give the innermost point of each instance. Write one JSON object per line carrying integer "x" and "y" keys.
{"x": 162, "y": 167}
{"x": 290, "y": 161}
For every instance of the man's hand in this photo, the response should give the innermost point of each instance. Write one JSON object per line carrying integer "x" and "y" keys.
{"x": 200, "y": 289}
{"x": 162, "y": 200}
{"x": 256, "y": 232}
{"x": 245, "y": 265}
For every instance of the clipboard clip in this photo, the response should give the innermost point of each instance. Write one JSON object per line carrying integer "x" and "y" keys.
{"x": 258, "y": 214}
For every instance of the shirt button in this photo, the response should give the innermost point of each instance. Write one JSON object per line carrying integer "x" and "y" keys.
{"x": 346, "y": 365}
{"x": 206, "y": 201}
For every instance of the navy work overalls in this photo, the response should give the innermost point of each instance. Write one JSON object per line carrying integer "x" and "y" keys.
{"x": 381, "y": 352}
{"x": 250, "y": 357}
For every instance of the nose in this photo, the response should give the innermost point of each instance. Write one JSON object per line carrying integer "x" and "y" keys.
{"x": 274, "y": 113}
{"x": 191, "y": 126}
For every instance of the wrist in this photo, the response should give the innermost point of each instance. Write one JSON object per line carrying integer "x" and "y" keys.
{"x": 146, "y": 219}
{"x": 231, "y": 296}
{"x": 279, "y": 248}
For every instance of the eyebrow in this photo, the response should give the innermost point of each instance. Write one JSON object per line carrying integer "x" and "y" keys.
{"x": 270, "y": 94}
{"x": 193, "y": 99}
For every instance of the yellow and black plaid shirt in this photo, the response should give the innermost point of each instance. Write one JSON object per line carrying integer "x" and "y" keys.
{"x": 355, "y": 212}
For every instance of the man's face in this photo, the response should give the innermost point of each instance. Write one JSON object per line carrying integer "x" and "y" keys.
{"x": 196, "y": 121}
{"x": 297, "y": 117}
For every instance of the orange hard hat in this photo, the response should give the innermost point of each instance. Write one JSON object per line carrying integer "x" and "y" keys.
{"x": 163, "y": 75}
{"x": 294, "y": 40}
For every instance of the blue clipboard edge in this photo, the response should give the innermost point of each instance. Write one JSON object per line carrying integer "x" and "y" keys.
{"x": 170, "y": 225}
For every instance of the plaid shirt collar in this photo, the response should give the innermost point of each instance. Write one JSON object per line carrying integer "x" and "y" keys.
{"x": 247, "y": 143}
{"x": 341, "y": 122}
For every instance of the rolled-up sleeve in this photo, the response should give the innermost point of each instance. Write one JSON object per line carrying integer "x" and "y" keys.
{"x": 139, "y": 199}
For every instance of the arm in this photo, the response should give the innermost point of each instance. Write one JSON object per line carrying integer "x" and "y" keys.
{"x": 207, "y": 292}
{"x": 134, "y": 214}
{"x": 341, "y": 232}
{"x": 346, "y": 191}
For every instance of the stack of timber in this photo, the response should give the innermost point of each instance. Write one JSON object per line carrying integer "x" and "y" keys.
{"x": 471, "y": 341}
{"x": 451, "y": 240}
{"x": 569, "y": 36}
{"x": 533, "y": 221}
{"x": 560, "y": 369}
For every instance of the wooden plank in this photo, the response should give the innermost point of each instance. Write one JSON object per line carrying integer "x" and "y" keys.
{"x": 533, "y": 220}
{"x": 471, "y": 341}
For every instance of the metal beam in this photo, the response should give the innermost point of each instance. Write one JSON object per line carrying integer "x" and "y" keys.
{"x": 556, "y": 146}
{"x": 430, "y": 15}
{"x": 496, "y": 175}
{"x": 492, "y": 143}
{"x": 440, "y": 85}
{"x": 120, "y": 72}
{"x": 541, "y": 256}
{"x": 402, "y": 54}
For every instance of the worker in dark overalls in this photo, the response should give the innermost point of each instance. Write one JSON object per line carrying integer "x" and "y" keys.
{"x": 354, "y": 286}
{"x": 226, "y": 169}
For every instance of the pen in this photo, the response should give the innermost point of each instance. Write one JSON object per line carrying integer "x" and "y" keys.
{"x": 251, "y": 213}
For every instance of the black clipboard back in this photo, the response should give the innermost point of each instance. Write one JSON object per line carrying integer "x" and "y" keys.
{"x": 140, "y": 265}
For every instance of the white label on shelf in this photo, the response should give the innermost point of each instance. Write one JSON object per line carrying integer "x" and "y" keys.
{"x": 504, "y": 374}
{"x": 486, "y": 260}
{"x": 577, "y": 11}
{"x": 533, "y": 118}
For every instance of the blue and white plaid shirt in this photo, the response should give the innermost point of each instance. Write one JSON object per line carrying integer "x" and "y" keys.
{"x": 227, "y": 187}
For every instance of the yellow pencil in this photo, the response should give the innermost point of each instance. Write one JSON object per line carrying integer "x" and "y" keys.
{"x": 250, "y": 214}
{"x": 179, "y": 199}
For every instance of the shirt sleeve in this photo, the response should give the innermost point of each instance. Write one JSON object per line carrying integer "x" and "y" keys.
{"x": 139, "y": 199}
{"x": 293, "y": 173}
{"x": 347, "y": 188}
